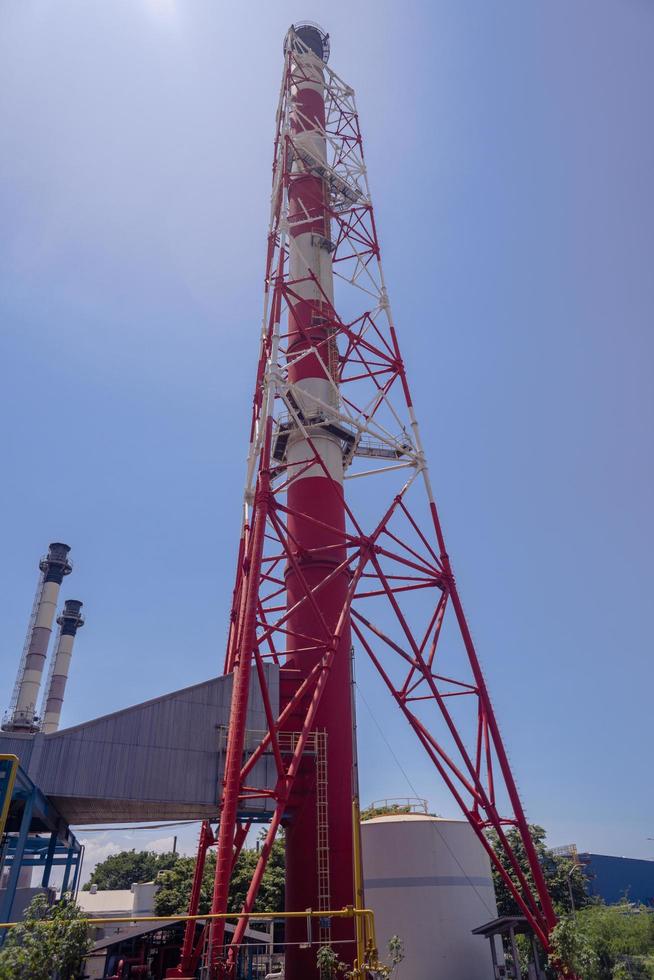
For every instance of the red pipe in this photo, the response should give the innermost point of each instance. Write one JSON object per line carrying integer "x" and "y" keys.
{"x": 238, "y": 719}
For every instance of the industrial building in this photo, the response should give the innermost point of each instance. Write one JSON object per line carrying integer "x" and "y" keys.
{"x": 160, "y": 759}
{"x": 153, "y": 946}
{"x": 616, "y": 879}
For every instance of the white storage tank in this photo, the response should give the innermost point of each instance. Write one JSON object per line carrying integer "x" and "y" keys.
{"x": 429, "y": 882}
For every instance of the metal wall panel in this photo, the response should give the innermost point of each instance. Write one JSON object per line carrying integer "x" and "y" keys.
{"x": 160, "y": 759}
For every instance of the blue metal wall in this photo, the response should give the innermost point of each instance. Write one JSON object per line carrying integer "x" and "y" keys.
{"x": 613, "y": 878}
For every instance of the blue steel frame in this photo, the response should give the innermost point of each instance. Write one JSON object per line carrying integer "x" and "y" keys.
{"x": 42, "y": 840}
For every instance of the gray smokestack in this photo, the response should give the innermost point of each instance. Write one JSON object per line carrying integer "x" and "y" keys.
{"x": 22, "y": 713}
{"x": 69, "y": 622}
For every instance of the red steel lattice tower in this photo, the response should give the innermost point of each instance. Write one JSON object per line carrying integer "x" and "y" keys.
{"x": 341, "y": 544}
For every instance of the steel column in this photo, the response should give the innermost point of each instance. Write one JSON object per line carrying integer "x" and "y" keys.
{"x": 52, "y": 846}
{"x": 10, "y": 891}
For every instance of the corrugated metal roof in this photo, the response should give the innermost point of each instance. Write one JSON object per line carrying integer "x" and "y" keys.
{"x": 131, "y": 932}
{"x": 161, "y": 759}
{"x": 144, "y": 929}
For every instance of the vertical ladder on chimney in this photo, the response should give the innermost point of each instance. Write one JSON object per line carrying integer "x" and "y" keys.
{"x": 333, "y": 361}
{"x": 322, "y": 817}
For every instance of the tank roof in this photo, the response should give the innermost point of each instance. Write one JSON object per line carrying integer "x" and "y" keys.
{"x": 410, "y": 818}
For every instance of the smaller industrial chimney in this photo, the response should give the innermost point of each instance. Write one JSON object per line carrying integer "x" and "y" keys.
{"x": 22, "y": 712}
{"x": 69, "y": 622}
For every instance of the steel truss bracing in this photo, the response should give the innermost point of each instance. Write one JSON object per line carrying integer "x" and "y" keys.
{"x": 400, "y": 600}
{"x": 9, "y": 714}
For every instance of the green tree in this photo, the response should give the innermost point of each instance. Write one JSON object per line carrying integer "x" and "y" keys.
{"x": 384, "y": 811}
{"x": 175, "y": 884}
{"x": 573, "y": 949}
{"x": 606, "y": 942}
{"x": 561, "y": 874}
{"x": 123, "y": 869}
{"x": 271, "y": 892}
{"x": 174, "y": 889}
{"x": 50, "y": 942}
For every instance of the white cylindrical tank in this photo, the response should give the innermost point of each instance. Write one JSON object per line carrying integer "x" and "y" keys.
{"x": 429, "y": 882}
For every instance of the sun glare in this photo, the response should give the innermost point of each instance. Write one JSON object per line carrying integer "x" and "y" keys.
{"x": 163, "y": 8}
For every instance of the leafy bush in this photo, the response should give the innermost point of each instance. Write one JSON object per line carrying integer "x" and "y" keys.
{"x": 175, "y": 884}
{"x": 123, "y": 869}
{"x": 51, "y": 942}
{"x": 561, "y": 874}
{"x": 606, "y": 942}
{"x": 330, "y": 966}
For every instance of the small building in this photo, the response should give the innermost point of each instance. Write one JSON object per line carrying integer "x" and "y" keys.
{"x": 119, "y": 902}
{"x": 501, "y": 934}
{"x": 137, "y": 900}
{"x": 135, "y": 949}
{"x": 150, "y": 949}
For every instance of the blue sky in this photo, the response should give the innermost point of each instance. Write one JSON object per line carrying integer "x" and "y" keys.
{"x": 510, "y": 152}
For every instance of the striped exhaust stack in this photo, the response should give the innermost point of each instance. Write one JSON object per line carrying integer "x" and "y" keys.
{"x": 22, "y": 713}
{"x": 69, "y": 622}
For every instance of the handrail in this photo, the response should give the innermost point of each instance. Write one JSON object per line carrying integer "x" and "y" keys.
{"x": 370, "y": 962}
{"x": 348, "y": 912}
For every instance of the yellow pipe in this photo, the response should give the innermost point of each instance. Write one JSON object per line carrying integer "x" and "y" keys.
{"x": 368, "y": 960}
{"x": 347, "y": 913}
{"x": 358, "y": 885}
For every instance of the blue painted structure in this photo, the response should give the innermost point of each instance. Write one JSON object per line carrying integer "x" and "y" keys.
{"x": 36, "y": 836}
{"x": 613, "y": 878}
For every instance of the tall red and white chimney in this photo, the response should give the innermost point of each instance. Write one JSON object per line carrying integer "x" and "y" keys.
{"x": 316, "y": 521}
